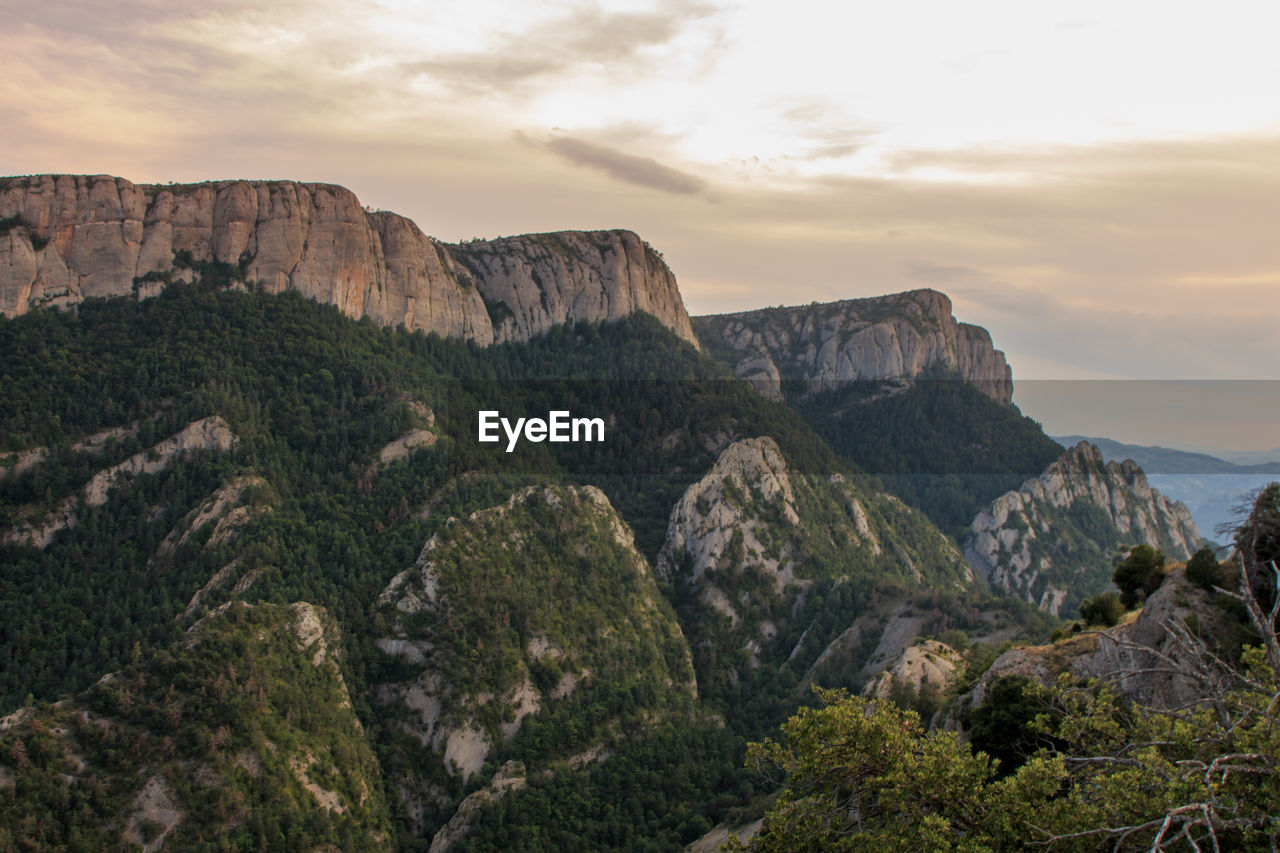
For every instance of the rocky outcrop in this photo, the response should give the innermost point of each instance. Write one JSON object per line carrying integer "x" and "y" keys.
{"x": 537, "y": 281}
{"x": 826, "y": 346}
{"x": 67, "y": 238}
{"x": 510, "y": 778}
{"x": 926, "y": 667}
{"x": 716, "y": 514}
{"x": 1051, "y": 541}
{"x": 753, "y": 538}
{"x": 1152, "y": 659}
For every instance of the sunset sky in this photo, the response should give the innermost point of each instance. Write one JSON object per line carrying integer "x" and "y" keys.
{"x": 1097, "y": 183}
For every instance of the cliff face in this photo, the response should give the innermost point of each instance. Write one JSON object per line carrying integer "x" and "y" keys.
{"x": 66, "y": 238}
{"x": 827, "y": 345}
{"x": 1050, "y": 541}
{"x": 537, "y": 281}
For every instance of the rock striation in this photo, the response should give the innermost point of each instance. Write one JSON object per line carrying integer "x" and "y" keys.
{"x": 1050, "y": 542}
{"x": 37, "y": 530}
{"x": 826, "y": 346}
{"x": 67, "y": 238}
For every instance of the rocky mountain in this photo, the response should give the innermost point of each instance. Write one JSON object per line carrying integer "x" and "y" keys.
{"x": 536, "y": 281}
{"x": 1051, "y": 541}
{"x": 565, "y": 646}
{"x": 67, "y": 238}
{"x": 825, "y": 346}
{"x": 753, "y": 541}
{"x": 1212, "y": 488}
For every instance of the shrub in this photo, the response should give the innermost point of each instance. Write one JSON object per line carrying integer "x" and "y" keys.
{"x": 1204, "y": 570}
{"x": 1139, "y": 574}
{"x": 1105, "y": 609}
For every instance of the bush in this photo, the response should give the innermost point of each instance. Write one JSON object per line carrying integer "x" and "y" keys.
{"x": 1105, "y": 609}
{"x": 1204, "y": 570}
{"x": 1004, "y": 725}
{"x": 1139, "y": 574}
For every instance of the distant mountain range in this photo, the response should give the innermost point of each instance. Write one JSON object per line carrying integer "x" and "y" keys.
{"x": 1166, "y": 460}
{"x": 1212, "y": 488}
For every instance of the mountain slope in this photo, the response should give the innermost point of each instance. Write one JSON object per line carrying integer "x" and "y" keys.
{"x": 538, "y": 601}
{"x": 1213, "y": 489}
{"x": 242, "y": 733}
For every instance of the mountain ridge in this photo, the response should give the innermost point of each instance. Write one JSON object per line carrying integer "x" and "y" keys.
{"x": 67, "y": 238}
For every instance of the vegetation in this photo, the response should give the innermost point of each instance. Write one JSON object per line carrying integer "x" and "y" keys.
{"x": 1139, "y": 574}
{"x": 1204, "y": 570}
{"x": 941, "y": 445}
{"x": 1106, "y": 609}
{"x": 239, "y": 733}
{"x": 1108, "y": 773}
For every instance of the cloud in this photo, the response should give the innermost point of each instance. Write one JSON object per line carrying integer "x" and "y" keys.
{"x": 586, "y": 37}
{"x": 641, "y": 171}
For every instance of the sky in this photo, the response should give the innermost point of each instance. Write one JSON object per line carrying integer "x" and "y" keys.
{"x": 1096, "y": 183}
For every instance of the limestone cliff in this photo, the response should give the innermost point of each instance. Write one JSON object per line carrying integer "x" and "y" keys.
{"x": 67, "y": 238}
{"x": 1050, "y": 542}
{"x": 537, "y": 281}
{"x": 828, "y": 345}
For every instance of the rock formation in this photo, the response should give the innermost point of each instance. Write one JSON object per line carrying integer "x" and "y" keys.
{"x": 537, "y": 281}
{"x": 927, "y": 666}
{"x": 828, "y": 345}
{"x": 1149, "y": 658}
{"x": 67, "y": 238}
{"x": 1050, "y": 542}
{"x": 753, "y": 539}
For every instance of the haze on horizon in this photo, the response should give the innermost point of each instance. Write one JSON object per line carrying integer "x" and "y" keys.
{"x": 1095, "y": 183}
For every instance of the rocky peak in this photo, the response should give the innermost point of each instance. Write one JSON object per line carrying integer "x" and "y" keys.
{"x": 827, "y": 345}
{"x": 1088, "y": 508}
{"x": 725, "y": 507}
{"x": 67, "y": 238}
